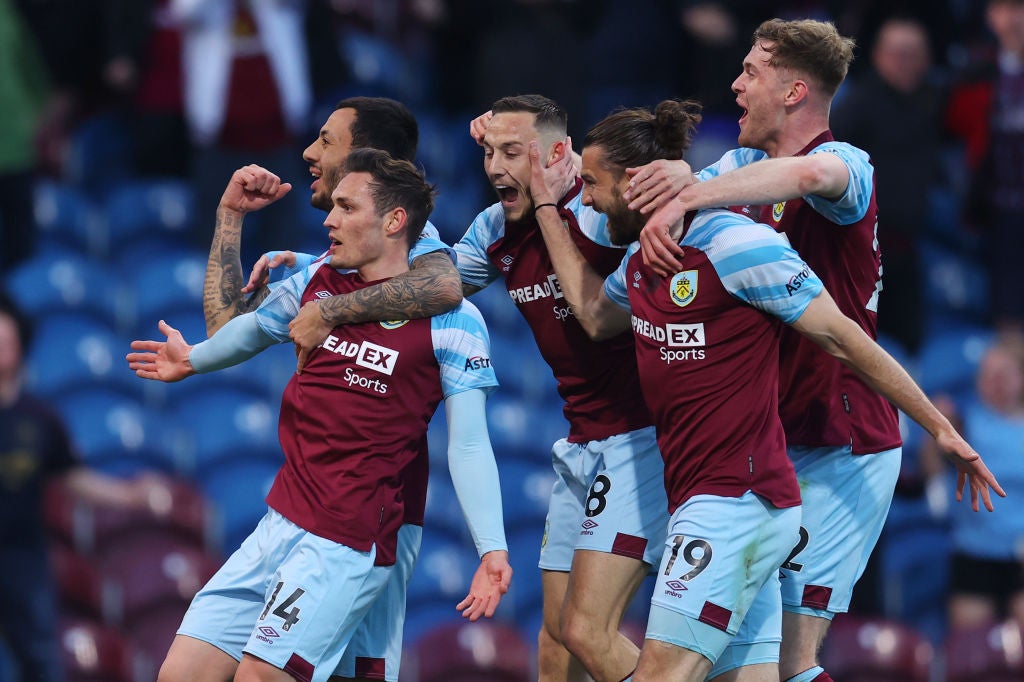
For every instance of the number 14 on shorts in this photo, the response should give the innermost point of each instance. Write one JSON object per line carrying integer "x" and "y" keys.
{"x": 286, "y": 610}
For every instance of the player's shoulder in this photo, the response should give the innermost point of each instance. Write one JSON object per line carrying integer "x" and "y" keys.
{"x": 591, "y": 223}
{"x": 464, "y": 315}
{"x": 844, "y": 150}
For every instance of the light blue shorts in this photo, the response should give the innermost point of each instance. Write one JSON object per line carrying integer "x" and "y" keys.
{"x": 288, "y": 597}
{"x": 720, "y": 570}
{"x": 375, "y": 651}
{"x": 609, "y": 496}
{"x": 846, "y": 498}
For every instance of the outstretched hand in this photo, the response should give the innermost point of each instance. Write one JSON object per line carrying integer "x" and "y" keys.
{"x": 970, "y": 469}
{"x": 165, "y": 361}
{"x": 490, "y": 583}
{"x": 251, "y": 188}
{"x": 260, "y": 276}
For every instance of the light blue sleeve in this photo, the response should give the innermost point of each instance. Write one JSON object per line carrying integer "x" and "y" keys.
{"x": 462, "y": 347}
{"x": 473, "y": 469}
{"x": 474, "y": 267}
{"x": 615, "y": 287}
{"x": 854, "y": 203}
{"x": 283, "y": 272}
{"x": 283, "y": 303}
{"x": 730, "y": 161}
{"x": 755, "y": 263}
{"x": 593, "y": 224}
{"x": 428, "y": 242}
{"x": 237, "y": 341}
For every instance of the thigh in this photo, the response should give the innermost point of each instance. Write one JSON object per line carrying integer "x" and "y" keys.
{"x": 601, "y": 587}
{"x": 845, "y": 501}
{"x": 626, "y": 508}
{"x": 196, "y": 661}
{"x": 720, "y": 553}
{"x": 375, "y": 651}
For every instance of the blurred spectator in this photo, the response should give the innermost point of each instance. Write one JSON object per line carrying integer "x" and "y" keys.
{"x": 23, "y": 94}
{"x": 987, "y": 566}
{"x": 247, "y": 99}
{"x": 34, "y": 450}
{"x": 987, "y": 111}
{"x": 894, "y": 113}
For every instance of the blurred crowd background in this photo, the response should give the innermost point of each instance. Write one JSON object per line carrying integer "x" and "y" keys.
{"x": 122, "y": 120}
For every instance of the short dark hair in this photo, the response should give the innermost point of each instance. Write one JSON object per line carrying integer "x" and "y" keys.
{"x": 383, "y": 123}
{"x": 395, "y": 183}
{"x": 548, "y": 115}
{"x": 812, "y": 48}
{"x": 26, "y": 330}
{"x": 635, "y": 137}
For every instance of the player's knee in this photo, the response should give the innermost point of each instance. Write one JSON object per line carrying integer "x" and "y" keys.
{"x": 583, "y": 636}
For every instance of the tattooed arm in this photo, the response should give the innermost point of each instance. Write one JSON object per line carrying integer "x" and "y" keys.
{"x": 431, "y": 286}
{"x": 250, "y": 189}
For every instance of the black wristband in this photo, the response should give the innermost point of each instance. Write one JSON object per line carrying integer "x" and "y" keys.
{"x": 540, "y": 206}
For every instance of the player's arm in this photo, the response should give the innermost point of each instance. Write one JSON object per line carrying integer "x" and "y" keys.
{"x": 475, "y": 477}
{"x": 431, "y": 286}
{"x": 250, "y": 189}
{"x": 842, "y": 338}
{"x": 762, "y": 182}
{"x": 581, "y": 285}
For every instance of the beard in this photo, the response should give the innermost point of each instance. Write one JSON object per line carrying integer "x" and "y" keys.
{"x": 624, "y": 225}
{"x": 329, "y": 179}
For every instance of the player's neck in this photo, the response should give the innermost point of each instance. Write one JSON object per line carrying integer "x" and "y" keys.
{"x": 385, "y": 267}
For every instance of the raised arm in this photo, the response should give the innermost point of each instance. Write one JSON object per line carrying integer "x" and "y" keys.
{"x": 475, "y": 477}
{"x": 250, "y": 189}
{"x": 842, "y": 338}
{"x": 431, "y": 286}
{"x": 763, "y": 182}
{"x": 581, "y": 285}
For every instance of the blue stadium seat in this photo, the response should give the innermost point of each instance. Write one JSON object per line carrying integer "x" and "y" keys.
{"x": 73, "y": 352}
{"x": 99, "y": 154}
{"x": 441, "y": 579}
{"x": 67, "y": 283}
{"x": 443, "y": 513}
{"x": 948, "y": 360}
{"x": 223, "y": 423}
{"x": 955, "y": 286}
{"x": 237, "y": 489}
{"x": 522, "y": 429}
{"x": 164, "y": 283}
{"x": 525, "y": 491}
{"x": 915, "y": 566}
{"x": 526, "y": 596}
{"x": 67, "y": 219}
{"x": 142, "y": 210}
{"x": 116, "y": 435}
{"x": 377, "y": 64}
{"x": 521, "y": 370}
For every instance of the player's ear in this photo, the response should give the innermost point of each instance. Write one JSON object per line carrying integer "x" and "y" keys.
{"x": 395, "y": 221}
{"x": 556, "y": 152}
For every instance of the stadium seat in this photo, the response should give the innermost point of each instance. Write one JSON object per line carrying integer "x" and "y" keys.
{"x": 953, "y": 283}
{"x": 915, "y": 566}
{"x": 148, "y": 211}
{"x": 80, "y": 590}
{"x": 116, "y": 435}
{"x": 948, "y": 360}
{"x": 990, "y": 653}
{"x": 237, "y": 489}
{"x": 522, "y": 372}
{"x": 441, "y": 579}
{"x": 151, "y": 572}
{"x": 73, "y": 353}
{"x": 526, "y": 595}
{"x": 93, "y": 652}
{"x": 164, "y": 283}
{"x": 51, "y": 284}
{"x": 67, "y": 219}
{"x": 178, "y": 511}
{"x": 525, "y": 491}
{"x": 865, "y": 650}
{"x": 443, "y": 513}
{"x": 522, "y": 429}
{"x": 224, "y": 423}
{"x": 473, "y": 652}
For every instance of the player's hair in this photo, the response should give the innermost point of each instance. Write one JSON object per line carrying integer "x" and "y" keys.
{"x": 395, "y": 183}
{"x": 383, "y": 123}
{"x": 549, "y": 117}
{"x": 22, "y": 321}
{"x": 635, "y": 137}
{"x": 812, "y": 48}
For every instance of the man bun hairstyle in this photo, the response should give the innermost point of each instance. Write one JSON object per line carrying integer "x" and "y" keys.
{"x": 395, "y": 183}
{"x": 811, "y": 48}
{"x": 635, "y": 137}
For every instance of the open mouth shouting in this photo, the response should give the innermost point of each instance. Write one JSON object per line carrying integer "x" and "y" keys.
{"x": 315, "y": 172}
